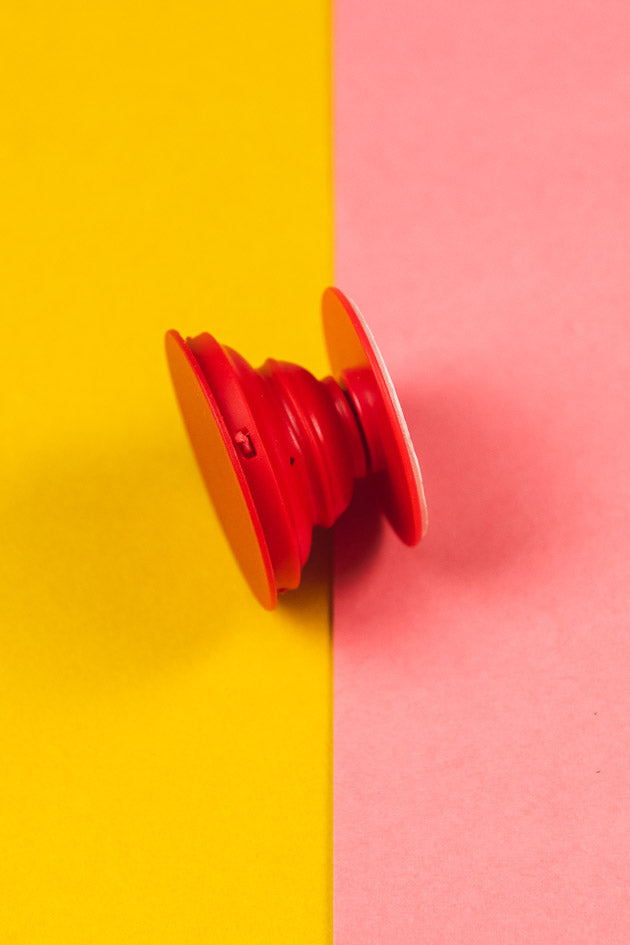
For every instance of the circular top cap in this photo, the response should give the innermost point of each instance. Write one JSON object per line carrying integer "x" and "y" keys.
{"x": 221, "y": 469}
{"x": 350, "y": 344}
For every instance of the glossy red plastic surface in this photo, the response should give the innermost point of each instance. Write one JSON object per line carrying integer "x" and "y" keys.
{"x": 280, "y": 451}
{"x": 359, "y": 366}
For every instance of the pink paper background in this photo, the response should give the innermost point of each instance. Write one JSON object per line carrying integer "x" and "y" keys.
{"x": 482, "y": 682}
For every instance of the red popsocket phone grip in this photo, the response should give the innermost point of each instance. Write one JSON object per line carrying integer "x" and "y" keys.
{"x": 279, "y": 450}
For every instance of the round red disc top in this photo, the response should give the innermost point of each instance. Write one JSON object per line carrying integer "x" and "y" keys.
{"x": 279, "y": 450}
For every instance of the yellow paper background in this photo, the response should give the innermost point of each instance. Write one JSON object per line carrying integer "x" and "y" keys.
{"x": 164, "y": 743}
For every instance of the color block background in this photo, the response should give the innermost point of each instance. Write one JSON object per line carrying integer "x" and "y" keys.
{"x": 164, "y": 744}
{"x": 482, "y": 682}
